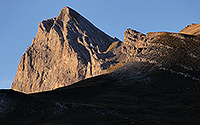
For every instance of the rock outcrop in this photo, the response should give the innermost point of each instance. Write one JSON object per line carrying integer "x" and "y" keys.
{"x": 66, "y": 49}
{"x": 174, "y": 52}
{"x": 193, "y": 29}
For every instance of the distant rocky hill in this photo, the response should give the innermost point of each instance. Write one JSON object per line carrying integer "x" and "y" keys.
{"x": 177, "y": 53}
{"x": 69, "y": 48}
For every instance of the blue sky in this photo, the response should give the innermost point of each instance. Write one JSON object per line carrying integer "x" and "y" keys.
{"x": 19, "y": 20}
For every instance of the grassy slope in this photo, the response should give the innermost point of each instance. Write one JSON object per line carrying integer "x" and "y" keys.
{"x": 168, "y": 98}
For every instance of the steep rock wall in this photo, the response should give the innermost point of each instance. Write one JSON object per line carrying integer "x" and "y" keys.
{"x": 65, "y": 50}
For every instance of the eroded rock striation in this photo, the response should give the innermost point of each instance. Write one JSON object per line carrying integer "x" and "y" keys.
{"x": 193, "y": 29}
{"x": 66, "y": 49}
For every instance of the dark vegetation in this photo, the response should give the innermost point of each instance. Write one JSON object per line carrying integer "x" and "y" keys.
{"x": 166, "y": 99}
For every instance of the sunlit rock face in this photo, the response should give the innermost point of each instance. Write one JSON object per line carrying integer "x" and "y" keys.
{"x": 66, "y": 49}
{"x": 193, "y": 29}
{"x": 172, "y": 52}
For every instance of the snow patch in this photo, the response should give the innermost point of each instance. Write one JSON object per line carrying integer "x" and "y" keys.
{"x": 58, "y": 104}
{"x": 105, "y": 112}
{"x": 181, "y": 73}
{"x": 186, "y": 67}
{"x": 192, "y": 55}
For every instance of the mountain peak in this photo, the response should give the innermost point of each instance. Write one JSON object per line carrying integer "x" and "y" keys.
{"x": 66, "y": 14}
{"x": 67, "y": 11}
{"x": 66, "y": 49}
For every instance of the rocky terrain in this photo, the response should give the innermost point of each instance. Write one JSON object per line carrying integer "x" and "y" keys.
{"x": 69, "y": 48}
{"x": 178, "y": 53}
{"x": 193, "y": 29}
{"x": 65, "y": 50}
{"x": 73, "y": 73}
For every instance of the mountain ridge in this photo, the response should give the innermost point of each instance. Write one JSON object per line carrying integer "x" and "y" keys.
{"x": 68, "y": 48}
{"x": 193, "y": 29}
{"x": 73, "y": 73}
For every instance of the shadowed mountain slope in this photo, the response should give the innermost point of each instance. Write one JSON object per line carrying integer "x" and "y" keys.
{"x": 153, "y": 96}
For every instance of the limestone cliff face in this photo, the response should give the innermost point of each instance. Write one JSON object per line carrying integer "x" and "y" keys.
{"x": 66, "y": 49}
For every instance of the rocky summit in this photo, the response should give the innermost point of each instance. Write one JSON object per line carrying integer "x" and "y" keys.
{"x": 66, "y": 49}
{"x": 69, "y": 48}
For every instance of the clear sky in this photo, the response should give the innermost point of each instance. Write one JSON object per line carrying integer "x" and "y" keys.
{"x": 19, "y": 20}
